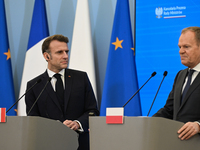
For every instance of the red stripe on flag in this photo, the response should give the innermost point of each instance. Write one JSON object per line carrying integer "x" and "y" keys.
{"x": 3, "y": 115}
{"x": 114, "y": 119}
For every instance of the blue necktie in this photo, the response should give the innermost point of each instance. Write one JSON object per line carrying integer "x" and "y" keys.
{"x": 187, "y": 84}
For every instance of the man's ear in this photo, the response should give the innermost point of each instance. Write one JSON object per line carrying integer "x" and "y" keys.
{"x": 46, "y": 56}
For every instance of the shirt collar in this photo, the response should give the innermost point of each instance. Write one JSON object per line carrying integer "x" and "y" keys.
{"x": 196, "y": 68}
{"x": 51, "y": 73}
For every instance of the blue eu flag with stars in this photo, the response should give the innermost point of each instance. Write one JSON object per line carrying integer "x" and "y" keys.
{"x": 7, "y": 96}
{"x": 121, "y": 76}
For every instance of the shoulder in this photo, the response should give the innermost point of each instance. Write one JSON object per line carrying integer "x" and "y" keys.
{"x": 181, "y": 75}
{"x": 77, "y": 75}
{"x": 182, "y": 72}
{"x": 39, "y": 77}
{"x": 75, "y": 72}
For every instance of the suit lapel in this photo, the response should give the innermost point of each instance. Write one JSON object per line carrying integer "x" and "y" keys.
{"x": 68, "y": 85}
{"x": 193, "y": 86}
{"x": 178, "y": 92}
{"x": 50, "y": 90}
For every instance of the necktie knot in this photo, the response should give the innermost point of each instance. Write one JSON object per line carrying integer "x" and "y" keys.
{"x": 57, "y": 76}
{"x": 191, "y": 72}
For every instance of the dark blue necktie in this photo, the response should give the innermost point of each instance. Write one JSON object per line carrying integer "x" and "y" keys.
{"x": 59, "y": 90}
{"x": 187, "y": 84}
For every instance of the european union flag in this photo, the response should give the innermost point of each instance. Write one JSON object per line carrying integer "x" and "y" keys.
{"x": 7, "y": 96}
{"x": 121, "y": 76}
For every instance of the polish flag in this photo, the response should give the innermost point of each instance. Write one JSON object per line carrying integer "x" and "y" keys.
{"x": 2, "y": 114}
{"x": 114, "y": 115}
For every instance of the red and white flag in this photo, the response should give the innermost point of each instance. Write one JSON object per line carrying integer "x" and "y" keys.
{"x": 114, "y": 115}
{"x": 2, "y": 114}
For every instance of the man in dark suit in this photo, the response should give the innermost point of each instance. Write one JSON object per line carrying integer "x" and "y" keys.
{"x": 183, "y": 103}
{"x": 68, "y": 97}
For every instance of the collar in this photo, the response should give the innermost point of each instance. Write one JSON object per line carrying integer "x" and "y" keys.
{"x": 196, "y": 68}
{"x": 51, "y": 73}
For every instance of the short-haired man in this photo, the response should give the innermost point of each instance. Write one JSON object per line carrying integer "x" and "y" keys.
{"x": 74, "y": 100}
{"x": 183, "y": 103}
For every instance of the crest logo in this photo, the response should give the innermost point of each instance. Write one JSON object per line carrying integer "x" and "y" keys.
{"x": 159, "y": 12}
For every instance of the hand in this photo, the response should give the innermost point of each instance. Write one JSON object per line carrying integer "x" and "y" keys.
{"x": 72, "y": 124}
{"x": 188, "y": 130}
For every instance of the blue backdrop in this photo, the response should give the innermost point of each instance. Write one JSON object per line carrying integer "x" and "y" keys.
{"x": 158, "y": 27}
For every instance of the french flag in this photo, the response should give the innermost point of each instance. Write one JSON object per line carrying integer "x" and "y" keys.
{"x": 2, "y": 114}
{"x": 114, "y": 115}
{"x": 34, "y": 63}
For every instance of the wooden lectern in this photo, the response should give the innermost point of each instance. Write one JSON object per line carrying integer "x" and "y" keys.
{"x": 36, "y": 133}
{"x": 139, "y": 133}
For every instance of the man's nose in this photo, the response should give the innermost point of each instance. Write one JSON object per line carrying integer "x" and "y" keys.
{"x": 65, "y": 55}
{"x": 181, "y": 50}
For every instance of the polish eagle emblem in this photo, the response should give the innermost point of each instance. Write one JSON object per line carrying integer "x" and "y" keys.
{"x": 159, "y": 12}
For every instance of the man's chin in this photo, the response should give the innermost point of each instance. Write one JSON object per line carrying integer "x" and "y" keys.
{"x": 186, "y": 64}
{"x": 183, "y": 62}
{"x": 64, "y": 66}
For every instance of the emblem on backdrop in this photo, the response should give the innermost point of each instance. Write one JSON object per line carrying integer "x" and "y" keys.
{"x": 159, "y": 12}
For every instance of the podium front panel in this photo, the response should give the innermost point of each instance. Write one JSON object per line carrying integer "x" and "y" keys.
{"x": 139, "y": 133}
{"x": 36, "y": 133}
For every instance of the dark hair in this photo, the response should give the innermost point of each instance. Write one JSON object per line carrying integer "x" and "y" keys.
{"x": 47, "y": 41}
{"x": 196, "y": 30}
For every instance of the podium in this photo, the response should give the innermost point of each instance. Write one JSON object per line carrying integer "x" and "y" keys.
{"x": 139, "y": 133}
{"x": 36, "y": 133}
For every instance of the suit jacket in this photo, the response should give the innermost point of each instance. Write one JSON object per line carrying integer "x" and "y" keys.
{"x": 189, "y": 109}
{"x": 79, "y": 101}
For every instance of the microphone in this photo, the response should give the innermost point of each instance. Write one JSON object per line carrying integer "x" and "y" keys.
{"x": 164, "y": 75}
{"x": 38, "y": 81}
{"x": 39, "y": 95}
{"x": 152, "y": 75}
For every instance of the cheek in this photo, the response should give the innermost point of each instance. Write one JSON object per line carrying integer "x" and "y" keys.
{"x": 55, "y": 59}
{"x": 194, "y": 57}
{"x": 191, "y": 55}
{"x": 196, "y": 54}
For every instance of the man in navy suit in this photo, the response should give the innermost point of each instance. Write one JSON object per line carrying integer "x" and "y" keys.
{"x": 75, "y": 102}
{"x": 183, "y": 103}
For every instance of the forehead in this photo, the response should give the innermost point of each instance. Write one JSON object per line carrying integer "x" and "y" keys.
{"x": 187, "y": 37}
{"x": 57, "y": 45}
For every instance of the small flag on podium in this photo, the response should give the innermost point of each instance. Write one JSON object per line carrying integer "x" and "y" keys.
{"x": 2, "y": 114}
{"x": 114, "y": 115}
